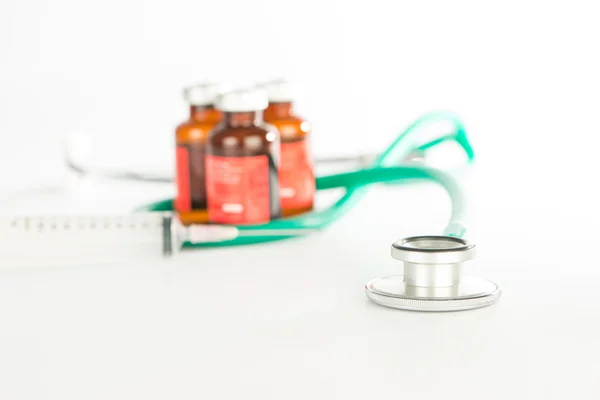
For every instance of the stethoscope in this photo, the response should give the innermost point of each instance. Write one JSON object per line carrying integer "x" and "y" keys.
{"x": 431, "y": 279}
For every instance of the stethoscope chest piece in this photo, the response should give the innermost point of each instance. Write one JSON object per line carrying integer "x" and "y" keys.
{"x": 432, "y": 278}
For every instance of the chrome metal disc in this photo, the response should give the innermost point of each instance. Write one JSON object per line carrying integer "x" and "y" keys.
{"x": 392, "y": 291}
{"x": 432, "y": 279}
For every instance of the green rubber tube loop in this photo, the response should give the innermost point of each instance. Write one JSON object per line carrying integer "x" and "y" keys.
{"x": 385, "y": 169}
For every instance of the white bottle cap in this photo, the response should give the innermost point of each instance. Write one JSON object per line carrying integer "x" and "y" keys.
{"x": 278, "y": 90}
{"x": 204, "y": 94}
{"x": 243, "y": 100}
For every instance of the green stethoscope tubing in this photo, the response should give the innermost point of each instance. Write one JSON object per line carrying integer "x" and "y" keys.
{"x": 356, "y": 182}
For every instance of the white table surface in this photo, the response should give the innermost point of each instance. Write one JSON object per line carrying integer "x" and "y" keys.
{"x": 290, "y": 320}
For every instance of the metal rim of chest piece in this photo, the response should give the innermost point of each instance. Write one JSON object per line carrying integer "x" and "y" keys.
{"x": 432, "y": 278}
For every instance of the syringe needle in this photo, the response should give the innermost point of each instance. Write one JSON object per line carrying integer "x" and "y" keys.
{"x": 204, "y": 233}
{"x": 277, "y": 232}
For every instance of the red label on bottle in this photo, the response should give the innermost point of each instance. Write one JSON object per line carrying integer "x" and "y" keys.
{"x": 296, "y": 175}
{"x": 183, "y": 201}
{"x": 238, "y": 189}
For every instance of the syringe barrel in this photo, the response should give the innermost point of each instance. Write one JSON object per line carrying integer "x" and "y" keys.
{"x": 84, "y": 240}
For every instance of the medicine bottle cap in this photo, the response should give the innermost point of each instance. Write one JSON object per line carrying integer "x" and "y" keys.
{"x": 204, "y": 94}
{"x": 278, "y": 90}
{"x": 243, "y": 100}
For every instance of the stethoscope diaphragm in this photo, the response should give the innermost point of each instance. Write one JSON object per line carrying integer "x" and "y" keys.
{"x": 432, "y": 278}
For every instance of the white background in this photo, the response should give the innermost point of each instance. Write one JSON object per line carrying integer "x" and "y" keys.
{"x": 260, "y": 322}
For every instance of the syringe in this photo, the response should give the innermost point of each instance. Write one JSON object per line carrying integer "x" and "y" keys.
{"x": 84, "y": 240}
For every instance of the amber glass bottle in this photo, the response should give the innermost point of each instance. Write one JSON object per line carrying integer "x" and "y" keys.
{"x": 242, "y": 157}
{"x": 191, "y": 137}
{"x": 296, "y": 171}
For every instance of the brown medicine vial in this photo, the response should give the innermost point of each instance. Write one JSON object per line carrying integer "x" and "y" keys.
{"x": 242, "y": 158}
{"x": 296, "y": 170}
{"x": 191, "y": 137}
